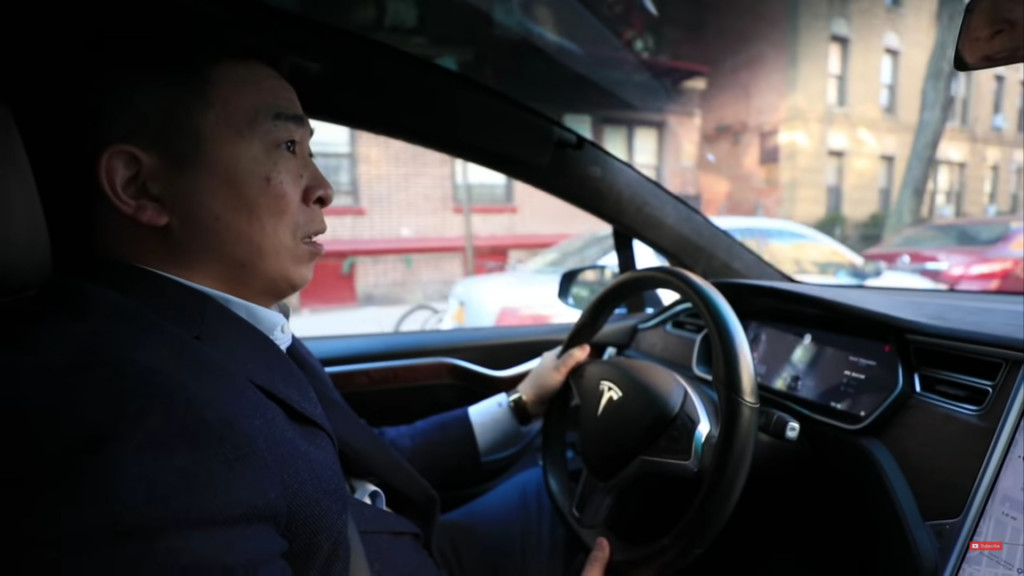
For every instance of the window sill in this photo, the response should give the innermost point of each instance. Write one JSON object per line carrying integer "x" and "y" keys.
{"x": 501, "y": 209}
{"x": 345, "y": 211}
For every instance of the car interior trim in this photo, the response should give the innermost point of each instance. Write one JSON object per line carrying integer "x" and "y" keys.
{"x": 987, "y": 476}
{"x": 660, "y": 317}
{"x": 976, "y": 349}
{"x": 415, "y": 371}
{"x": 951, "y": 404}
{"x": 696, "y": 353}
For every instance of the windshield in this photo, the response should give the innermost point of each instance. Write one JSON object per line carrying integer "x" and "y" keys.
{"x": 572, "y": 253}
{"x": 951, "y": 236}
{"x": 798, "y": 255}
{"x": 816, "y": 113}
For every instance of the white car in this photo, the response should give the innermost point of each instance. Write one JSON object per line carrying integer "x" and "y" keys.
{"x": 528, "y": 292}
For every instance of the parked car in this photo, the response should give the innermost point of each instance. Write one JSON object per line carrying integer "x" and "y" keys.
{"x": 976, "y": 254}
{"x": 528, "y": 292}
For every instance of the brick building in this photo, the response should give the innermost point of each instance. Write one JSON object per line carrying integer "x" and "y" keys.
{"x": 811, "y": 109}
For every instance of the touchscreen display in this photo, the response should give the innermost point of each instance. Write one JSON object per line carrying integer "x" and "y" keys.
{"x": 997, "y": 545}
{"x": 851, "y": 375}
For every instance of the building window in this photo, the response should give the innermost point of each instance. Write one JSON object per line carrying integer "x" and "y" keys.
{"x": 837, "y": 71}
{"x": 959, "y": 110}
{"x": 946, "y": 187}
{"x": 992, "y": 190}
{"x": 886, "y": 176}
{"x": 333, "y": 149}
{"x": 894, "y": 3}
{"x": 477, "y": 185}
{"x": 582, "y": 124}
{"x": 887, "y": 95}
{"x": 1017, "y": 192}
{"x": 998, "y": 122}
{"x": 834, "y": 183}
{"x": 637, "y": 144}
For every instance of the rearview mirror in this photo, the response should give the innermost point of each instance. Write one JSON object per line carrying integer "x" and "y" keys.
{"x": 579, "y": 286}
{"x": 991, "y": 35}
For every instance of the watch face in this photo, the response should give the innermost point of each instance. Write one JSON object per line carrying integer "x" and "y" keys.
{"x": 517, "y": 404}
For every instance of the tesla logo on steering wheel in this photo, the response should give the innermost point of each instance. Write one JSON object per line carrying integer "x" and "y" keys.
{"x": 609, "y": 391}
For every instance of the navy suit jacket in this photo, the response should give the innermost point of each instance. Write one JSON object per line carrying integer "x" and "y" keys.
{"x": 170, "y": 435}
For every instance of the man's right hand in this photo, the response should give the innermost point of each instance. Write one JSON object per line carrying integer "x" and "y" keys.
{"x": 598, "y": 559}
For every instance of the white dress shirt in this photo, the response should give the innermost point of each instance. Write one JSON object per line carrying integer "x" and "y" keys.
{"x": 494, "y": 426}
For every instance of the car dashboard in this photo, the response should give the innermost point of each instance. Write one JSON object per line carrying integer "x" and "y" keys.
{"x": 917, "y": 388}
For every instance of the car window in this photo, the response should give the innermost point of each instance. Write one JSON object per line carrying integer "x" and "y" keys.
{"x": 419, "y": 240}
{"x": 950, "y": 235}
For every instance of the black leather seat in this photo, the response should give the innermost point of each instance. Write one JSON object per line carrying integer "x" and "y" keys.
{"x": 25, "y": 261}
{"x": 28, "y": 452}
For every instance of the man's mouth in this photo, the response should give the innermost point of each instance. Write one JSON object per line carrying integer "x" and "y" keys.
{"x": 310, "y": 241}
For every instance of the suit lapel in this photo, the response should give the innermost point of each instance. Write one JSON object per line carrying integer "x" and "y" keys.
{"x": 364, "y": 452}
{"x": 297, "y": 380}
{"x": 242, "y": 346}
{"x": 228, "y": 336}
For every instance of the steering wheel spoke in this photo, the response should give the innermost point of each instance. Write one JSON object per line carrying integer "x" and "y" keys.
{"x": 685, "y": 469}
{"x": 681, "y": 448}
{"x": 592, "y": 500}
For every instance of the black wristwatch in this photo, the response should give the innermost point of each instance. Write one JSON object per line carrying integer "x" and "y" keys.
{"x": 517, "y": 404}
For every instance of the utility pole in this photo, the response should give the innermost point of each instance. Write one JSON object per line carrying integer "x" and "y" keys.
{"x": 467, "y": 218}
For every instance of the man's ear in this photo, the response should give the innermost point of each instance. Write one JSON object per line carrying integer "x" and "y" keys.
{"x": 128, "y": 180}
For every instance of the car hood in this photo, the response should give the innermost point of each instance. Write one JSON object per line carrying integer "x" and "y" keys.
{"x": 516, "y": 286}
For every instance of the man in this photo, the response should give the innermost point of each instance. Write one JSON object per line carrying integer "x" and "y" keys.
{"x": 194, "y": 434}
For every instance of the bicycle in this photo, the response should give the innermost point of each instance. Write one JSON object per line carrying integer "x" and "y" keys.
{"x": 420, "y": 317}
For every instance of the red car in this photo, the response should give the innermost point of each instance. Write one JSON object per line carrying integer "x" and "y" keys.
{"x": 975, "y": 254}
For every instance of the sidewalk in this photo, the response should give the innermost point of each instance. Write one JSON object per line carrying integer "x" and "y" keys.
{"x": 349, "y": 320}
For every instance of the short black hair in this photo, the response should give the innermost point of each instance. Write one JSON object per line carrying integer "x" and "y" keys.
{"x": 155, "y": 98}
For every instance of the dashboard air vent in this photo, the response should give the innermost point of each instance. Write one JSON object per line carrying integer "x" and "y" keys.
{"x": 689, "y": 322}
{"x": 962, "y": 380}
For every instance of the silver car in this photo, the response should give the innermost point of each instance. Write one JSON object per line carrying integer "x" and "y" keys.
{"x": 528, "y": 292}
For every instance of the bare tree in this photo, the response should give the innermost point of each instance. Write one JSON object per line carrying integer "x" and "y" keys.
{"x": 936, "y": 99}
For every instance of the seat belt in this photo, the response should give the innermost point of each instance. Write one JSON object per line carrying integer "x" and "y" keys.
{"x": 358, "y": 565}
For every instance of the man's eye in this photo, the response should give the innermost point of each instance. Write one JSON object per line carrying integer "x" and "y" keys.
{"x": 290, "y": 146}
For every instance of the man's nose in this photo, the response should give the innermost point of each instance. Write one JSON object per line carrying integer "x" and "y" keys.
{"x": 319, "y": 191}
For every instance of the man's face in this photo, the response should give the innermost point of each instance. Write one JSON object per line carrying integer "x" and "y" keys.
{"x": 245, "y": 213}
{"x": 991, "y": 34}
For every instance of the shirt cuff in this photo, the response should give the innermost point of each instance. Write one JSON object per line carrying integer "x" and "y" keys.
{"x": 497, "y": 433}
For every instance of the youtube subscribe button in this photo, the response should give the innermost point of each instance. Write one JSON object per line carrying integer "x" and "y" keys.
{"x": 985, "y": 546}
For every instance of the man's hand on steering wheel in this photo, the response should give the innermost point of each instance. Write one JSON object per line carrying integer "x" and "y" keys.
{"x": 541, "y": 384}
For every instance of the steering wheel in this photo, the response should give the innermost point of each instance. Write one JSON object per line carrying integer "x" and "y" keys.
{"x": 643, "y": 431}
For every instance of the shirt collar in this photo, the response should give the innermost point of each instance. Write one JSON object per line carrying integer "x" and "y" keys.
{"x": 273, "y": 323}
